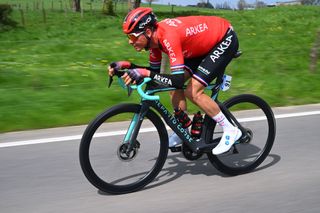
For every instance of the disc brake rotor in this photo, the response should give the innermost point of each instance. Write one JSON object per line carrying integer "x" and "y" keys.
{"x": 122, "y": 153}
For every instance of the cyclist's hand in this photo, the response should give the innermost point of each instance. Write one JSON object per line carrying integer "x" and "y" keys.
{"x": 135, "y": 76}
{"x": 119, "y": 65}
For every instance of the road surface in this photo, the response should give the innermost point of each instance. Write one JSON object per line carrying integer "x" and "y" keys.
{"x": 40, "y": 172}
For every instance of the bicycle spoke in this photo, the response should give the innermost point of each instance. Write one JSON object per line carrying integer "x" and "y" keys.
{"x": 105, "y": 158}
{"x": 251, "y": 149}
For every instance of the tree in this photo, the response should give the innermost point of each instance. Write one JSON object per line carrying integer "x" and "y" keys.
{"x": 310, "y": 2}
{"x": 242, "y": 4}
{"x": 260, "y": 4}
{"x": 137, "y": 3}
{"x": 76, "y": 5}
{"x": 5, "y": 21}
{"x": 108, "y": 7}
{"x": 225, "y": 5}
{"x": 205, "y": 4}
{"x": 134, "y": 4}
{"x": 150, "y": 1}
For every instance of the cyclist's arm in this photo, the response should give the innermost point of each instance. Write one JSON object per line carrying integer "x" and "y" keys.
{"x": 156, "y": 70}
{"x": 175, "y": 80}
{"x": 155, "y": 57}
{"x": 171, "y": 45}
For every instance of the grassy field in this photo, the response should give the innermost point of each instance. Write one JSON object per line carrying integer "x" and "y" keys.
{"x": 53, "y": 71}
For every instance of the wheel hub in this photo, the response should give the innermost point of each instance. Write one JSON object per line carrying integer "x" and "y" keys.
{"x": 248, "y": 137}
{"x": 124, "y": 154}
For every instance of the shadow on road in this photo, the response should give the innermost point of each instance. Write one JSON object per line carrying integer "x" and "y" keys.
{"x": 177, "y": 166}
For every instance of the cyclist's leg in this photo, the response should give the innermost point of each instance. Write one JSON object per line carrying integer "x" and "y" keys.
{"x": 178, "y": 98}
{"x": 178, "y": 101}
{"x": 195, "y": 92}
{"x": 212, "y": 66}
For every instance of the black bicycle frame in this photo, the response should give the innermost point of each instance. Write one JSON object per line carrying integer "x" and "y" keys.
{"x": 195, "y": 145}
{"x": 204, "y": 144}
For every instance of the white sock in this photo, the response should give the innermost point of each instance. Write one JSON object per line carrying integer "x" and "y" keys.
{"x": 221, "y": 119}
{"x": 230, "y": 134}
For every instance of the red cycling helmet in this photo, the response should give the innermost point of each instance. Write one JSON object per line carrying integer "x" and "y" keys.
{"x": 138, "y": 19}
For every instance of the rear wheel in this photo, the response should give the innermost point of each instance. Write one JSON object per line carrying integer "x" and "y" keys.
{"x": 105, "y": 159}
{"x": 255, "y": 115}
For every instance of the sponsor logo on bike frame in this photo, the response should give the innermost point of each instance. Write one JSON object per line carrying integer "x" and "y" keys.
{"x": 174, "y": 121}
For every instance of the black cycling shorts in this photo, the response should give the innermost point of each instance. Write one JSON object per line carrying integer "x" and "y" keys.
{"x": 205, "y": 69}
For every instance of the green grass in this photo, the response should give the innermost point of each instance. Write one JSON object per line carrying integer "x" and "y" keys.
{"x": 54, "y": 73}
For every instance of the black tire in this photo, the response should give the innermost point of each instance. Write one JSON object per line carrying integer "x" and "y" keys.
{"x": 89, "y": 143}
{"x": 250, "y": 155}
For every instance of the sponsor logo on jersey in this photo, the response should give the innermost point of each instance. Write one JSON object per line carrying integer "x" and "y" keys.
{"x": 171, "y": 53}
{"x": 186, "y": 53}
{"x": 196, "y": 29}
{"x": 221, "y": 49}
{"x": 162, "y": 80}
{"x": 172, "y": 22}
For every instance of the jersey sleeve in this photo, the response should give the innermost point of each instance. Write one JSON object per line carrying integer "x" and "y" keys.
{"x": 172, "y": 46}
{"x": 155, "y": 59}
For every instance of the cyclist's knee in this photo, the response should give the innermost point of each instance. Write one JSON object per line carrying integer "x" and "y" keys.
{"x": 194, "y": 90}
{"x": 178, "y": 92}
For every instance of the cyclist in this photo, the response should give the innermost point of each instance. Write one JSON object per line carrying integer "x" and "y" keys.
{"x": 198, "y": 47}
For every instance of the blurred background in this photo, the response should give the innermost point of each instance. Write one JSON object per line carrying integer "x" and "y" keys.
{"x": 54, "y": 55}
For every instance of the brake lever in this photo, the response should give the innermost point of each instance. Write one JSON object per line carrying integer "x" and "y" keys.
{"x": 129, "y": 90}
{"x": 117, "y": 73}
{"x": 110, "y": 81}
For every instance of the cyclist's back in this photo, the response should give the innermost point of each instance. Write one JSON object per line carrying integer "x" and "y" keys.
{"x": 189, "y": 37}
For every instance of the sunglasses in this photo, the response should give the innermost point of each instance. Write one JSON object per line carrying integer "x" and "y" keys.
{"x": 134, "y": 36}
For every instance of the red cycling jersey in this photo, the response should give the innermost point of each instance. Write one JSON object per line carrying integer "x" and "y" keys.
{"x": 187, "y": 37}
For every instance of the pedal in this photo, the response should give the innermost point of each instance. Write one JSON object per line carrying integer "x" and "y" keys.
{"x": 175, "y": 149}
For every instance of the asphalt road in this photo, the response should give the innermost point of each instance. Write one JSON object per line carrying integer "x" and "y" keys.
{"x": 40, "y": 172}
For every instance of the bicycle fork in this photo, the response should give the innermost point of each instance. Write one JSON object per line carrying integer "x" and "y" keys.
{"x": 131, "y": 136}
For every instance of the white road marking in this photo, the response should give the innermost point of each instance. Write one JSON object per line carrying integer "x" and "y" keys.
{"x": 288, "y": 115}
{"x": 122, "y": 132}
{"x": 67, "y": 138}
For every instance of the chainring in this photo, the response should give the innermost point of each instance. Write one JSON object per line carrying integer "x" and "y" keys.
{"x": 189, "y": 154}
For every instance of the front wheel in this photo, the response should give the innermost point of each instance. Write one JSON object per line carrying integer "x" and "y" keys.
{"x": 105, "y": 159}
{"x": 256, "y": 116}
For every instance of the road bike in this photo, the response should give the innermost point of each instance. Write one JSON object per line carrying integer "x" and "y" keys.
{"x": 126, "y": 160}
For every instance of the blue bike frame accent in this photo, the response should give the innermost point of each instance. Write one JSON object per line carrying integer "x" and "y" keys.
{"x": 131, "y": 128}
{"x": 150, "y": 100}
